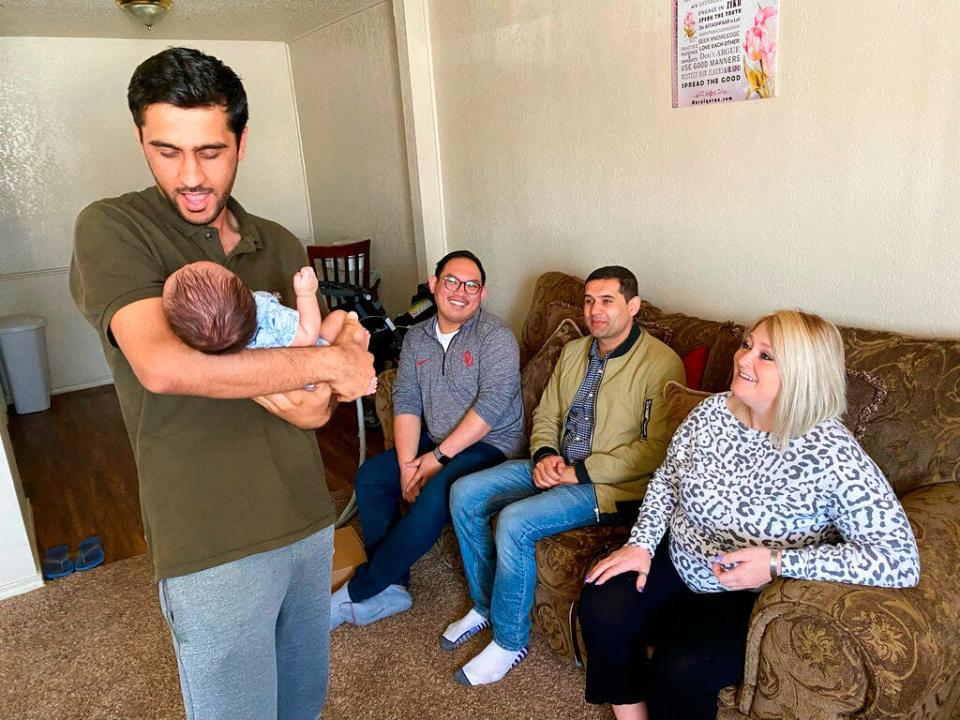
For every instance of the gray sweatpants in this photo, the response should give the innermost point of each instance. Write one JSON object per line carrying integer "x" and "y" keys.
{"x": 252, "y": 637}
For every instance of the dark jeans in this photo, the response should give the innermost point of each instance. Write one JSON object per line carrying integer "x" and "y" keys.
{"x": 699, "y": 642}
{"x": 394, "y": 542}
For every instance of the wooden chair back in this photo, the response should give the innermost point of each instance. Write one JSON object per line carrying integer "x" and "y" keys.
{"x": 346, "y": 263}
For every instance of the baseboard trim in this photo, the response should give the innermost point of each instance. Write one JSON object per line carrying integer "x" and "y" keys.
{"x": 85, "y": 385}
{"x": 18, "y": 587}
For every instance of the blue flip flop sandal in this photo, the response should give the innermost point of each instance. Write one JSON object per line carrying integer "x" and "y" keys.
{"x": 57, "y": 562}
{"x": 89, "y": 554}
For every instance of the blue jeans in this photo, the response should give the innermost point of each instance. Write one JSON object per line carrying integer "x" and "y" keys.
{"x": 252, "y": 636}
{"x": 393, "y": 542}
{"x": 502, "y": 574}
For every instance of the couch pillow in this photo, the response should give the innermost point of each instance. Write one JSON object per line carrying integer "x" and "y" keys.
{"x": 536, "y": 373}
{"x": 719, "y": 370}
{"x": 866, "y": 393}
{"x": 680, "y": 401}
{"x": 694, "y": 363}
{"x": 550, "y": 287}
{"x": 558, "y": 311}
{"x": 663, "y": 333}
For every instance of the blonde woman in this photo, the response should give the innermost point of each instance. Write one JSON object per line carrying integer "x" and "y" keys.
{"x": 759, "y": 482}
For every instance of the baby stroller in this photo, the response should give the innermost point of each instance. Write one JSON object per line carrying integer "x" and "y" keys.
{"x": 385, "y": 341}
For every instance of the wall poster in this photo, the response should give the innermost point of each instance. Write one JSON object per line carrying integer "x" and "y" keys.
{"x": 724, "y": 50}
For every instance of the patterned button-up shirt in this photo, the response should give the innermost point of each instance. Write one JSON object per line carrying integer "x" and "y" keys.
{"x": 577, "y": 442}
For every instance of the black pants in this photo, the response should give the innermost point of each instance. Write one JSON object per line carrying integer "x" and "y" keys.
{"x": 699, "y": 642}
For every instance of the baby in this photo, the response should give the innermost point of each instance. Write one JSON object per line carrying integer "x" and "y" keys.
{"x": 211, "y": 310}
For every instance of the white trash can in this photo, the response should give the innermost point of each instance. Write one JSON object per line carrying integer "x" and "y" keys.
{"x": 23, "y": 350}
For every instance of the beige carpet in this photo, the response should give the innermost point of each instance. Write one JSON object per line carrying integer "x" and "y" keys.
{"x": 94, "y": 646}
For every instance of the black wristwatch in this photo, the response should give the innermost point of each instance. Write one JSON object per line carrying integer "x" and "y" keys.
{"x": 441, "y": 458}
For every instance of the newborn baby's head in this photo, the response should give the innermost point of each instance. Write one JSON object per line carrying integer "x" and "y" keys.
{"x": 209, "y": 308}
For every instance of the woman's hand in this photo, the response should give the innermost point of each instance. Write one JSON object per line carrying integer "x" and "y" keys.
{"x": 752, "y": 570}
{"x": 626, "y": 559}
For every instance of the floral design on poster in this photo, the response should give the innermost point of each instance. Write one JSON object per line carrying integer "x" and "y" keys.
{"x": 690, "y": 25}
{"x": 760, "y": 53}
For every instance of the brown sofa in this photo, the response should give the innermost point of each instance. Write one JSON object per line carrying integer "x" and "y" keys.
{"x": 815, "y": 650}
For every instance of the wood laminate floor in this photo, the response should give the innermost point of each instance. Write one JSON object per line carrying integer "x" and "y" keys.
{"x": 77, "y": 469}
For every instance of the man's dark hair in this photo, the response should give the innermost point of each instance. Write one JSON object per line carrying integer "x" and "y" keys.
{"x": 628, "y": 281}
{"x": 461, "y": 254}
{"x": 211, "y": 312}
{"x": 187, "y": 78}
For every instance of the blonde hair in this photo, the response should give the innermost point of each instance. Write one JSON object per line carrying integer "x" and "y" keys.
{"x": 813, "y": 384}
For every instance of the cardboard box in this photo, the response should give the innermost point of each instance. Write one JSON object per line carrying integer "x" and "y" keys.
{"x": 347, "y": 555}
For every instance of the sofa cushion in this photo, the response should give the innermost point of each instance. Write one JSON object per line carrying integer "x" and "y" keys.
{"x": 550, "y": 287}
{"x": 680, "y": 401}
{"x": 663, "y": 333}
{"x": 719, "y": 370}
{"x": 914, "y": 436}
{"x": 558, "y": 311}
{"x": 383, "y": 401}
{"x": 866, "y": 393}
{"x": 721, "y": 338}
{"x": 694, "y": 363}
{"x": 536, "y": 373}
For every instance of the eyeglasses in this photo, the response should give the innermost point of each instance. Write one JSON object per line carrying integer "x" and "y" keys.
{"x": 453, "y": 283}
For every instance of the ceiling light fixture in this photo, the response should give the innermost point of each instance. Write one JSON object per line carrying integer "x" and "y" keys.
{"x": 146, "y": 11}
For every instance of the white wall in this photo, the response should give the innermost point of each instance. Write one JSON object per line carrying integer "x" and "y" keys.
{"x": 67, "y": 139}
{"x": 351, "y": 123}
{"x": 560, "y": 150}
{"x": 18, "y": 564}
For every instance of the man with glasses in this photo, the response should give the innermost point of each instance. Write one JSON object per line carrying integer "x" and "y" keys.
{"x": 457, "y": 410}
{"x": 598, "y": 434}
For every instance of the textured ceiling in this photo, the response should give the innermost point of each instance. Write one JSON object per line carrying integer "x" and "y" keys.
{"x": 282, "y": 20}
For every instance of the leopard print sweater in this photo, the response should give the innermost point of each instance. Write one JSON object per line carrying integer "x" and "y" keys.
{"x": 725, "y": 486}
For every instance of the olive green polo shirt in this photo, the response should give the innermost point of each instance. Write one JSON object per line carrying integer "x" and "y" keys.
{"x": 219, "y": 479}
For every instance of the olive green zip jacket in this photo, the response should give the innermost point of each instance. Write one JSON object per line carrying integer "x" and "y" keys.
{"x": 630, "y": 434}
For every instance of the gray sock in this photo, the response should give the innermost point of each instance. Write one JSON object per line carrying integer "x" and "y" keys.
{"x": 337, "y": 599}
{"x": 390, "y": 601}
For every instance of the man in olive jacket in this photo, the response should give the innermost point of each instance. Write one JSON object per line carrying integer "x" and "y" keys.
{"x": 599, "y": 433}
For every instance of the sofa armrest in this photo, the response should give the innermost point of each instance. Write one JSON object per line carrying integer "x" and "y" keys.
{"x": 384, "y": 404}
{"x": 822, "y": 650}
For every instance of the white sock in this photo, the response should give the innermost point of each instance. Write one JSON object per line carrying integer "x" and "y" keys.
{"x": 458, "y": 627}
{"x": 492, "y": 664}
